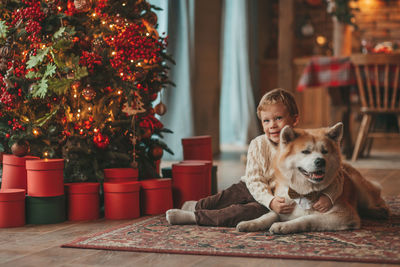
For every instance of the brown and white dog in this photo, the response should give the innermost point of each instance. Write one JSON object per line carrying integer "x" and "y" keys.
{"x": 307, "y": 162}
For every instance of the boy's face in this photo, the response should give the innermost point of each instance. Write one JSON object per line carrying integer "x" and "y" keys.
{"x": 273, "y": 118}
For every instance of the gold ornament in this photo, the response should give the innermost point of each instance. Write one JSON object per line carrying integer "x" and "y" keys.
{"x": 20, "y": 148}
{"x": 88, "y": 93}
{"x": 83, "y": 5}
{"x": 151, "y": 17}
{"x": 160, "y": 108}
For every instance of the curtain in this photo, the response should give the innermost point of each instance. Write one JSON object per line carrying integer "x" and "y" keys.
{"x": 238, "y": 120}
{"x": 180, "y": 30}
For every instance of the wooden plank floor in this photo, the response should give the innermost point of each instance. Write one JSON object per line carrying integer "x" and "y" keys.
{"x": 39, "y": 245}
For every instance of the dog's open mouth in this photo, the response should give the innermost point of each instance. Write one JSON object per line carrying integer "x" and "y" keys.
{"x": 315, "y": 177}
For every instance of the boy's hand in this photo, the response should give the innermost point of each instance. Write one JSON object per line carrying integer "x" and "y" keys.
{"x": 323, "y": 204}
{"x": 279, "y": 205}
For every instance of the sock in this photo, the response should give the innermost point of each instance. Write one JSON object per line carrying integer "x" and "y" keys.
{"x": 189, "y": 205}
{"x": 176, "y": 216}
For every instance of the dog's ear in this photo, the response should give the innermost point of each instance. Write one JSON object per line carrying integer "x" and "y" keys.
{"x": 335, "y": 132}
{"x": 287, "y": 135}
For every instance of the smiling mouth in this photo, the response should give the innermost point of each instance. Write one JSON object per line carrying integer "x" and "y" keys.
{"x": 314, "y": 177}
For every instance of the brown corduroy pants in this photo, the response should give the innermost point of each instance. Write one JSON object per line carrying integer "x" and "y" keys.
{"x": 228, "y": 207}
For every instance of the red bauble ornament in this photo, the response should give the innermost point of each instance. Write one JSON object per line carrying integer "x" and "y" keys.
{"x": 140, "y": 74}
{"x": 20, "y": 148}
{"x": 160, "y": 108}
{"x": 156, "y": 152}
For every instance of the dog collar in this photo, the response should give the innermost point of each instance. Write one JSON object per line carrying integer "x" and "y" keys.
{"x": 313, "y": 196}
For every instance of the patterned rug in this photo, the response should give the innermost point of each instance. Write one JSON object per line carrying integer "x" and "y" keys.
{"x": 375, "y": 242}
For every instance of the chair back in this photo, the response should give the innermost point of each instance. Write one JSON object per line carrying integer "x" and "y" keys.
{"x": 378, "y": 81}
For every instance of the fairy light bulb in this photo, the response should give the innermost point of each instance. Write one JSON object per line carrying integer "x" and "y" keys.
{"x": 119, "y": 92}
{"x": 35, "y": 132}
{"x": 321, "y": 40}
{"x": 45, "y": 154}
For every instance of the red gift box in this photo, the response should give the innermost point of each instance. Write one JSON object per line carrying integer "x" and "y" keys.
{"x": 83, "y": 201}
{"x": 12, "y": 208}
{"x": 14, "y": 172}
{"x": 120, "y": 175}
{"x": 156, "y": 196}
{"x": 207, "y": 180}
{"x": 197, "y": 148}
{"x": 121, "y": 200}
{"x": 45, "y": 177}
{"x": 188, "y": 182}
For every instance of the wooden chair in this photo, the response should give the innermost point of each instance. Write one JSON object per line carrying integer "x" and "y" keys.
{"x": 378, "y": 85}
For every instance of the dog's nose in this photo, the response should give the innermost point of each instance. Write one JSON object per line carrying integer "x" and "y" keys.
{"x": 319, "y": 162}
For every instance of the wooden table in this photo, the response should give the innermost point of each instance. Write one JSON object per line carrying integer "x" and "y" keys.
{"x": 337, "y": 75}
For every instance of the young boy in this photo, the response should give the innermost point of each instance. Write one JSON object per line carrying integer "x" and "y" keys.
{"x": 251, "y": 197}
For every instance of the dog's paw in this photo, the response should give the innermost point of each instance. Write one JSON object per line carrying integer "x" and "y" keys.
{"x": 177, "y": 216}
{"x": 279, "y": 228}
{"x": 250, "y": 226}
{"x": 245, "y": 226}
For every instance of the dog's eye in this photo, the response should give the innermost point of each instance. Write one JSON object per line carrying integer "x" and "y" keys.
{"x": 324, "y": 151}
{"x": 306, "y": 151}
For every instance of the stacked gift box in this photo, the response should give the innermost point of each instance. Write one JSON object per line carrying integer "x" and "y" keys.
{"x": 194, "y": 177}
{"x": 45, "y": 200}
{"x": 126, "y": 198}
{"x": 32, "y": 191}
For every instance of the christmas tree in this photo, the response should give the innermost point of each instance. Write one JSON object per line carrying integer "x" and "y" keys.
{"x": 78, "y": 81}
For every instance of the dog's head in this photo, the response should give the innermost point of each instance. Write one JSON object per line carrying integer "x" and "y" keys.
{"x": 308, "y": 159}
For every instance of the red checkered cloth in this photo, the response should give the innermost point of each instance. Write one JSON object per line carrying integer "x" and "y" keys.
{"x": 327, "y": 72}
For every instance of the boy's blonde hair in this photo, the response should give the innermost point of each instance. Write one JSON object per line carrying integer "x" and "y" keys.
{"x": 278, "y": 95}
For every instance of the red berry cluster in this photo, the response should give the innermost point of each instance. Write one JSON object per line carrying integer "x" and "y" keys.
{"x": 6, "y": 98}
{"x": 132, "y": 44}
{"x": 71, "y": 10}
{"x": 87, "y": 124}
{"x": 149, "y": 121}
{"x": 32, "y": 15}
{"x": 101, "y": 141}
{"x": 90, "y": 59}
{"x": 100, "y": 4}
{"x": 15, "y": 125}
{"x": 20, "y": 68}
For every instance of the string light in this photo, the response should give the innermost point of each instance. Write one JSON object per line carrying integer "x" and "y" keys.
{"x": 35, "y": 132}
{"x": 45, "y": 154}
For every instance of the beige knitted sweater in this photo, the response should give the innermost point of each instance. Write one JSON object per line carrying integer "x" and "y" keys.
{"x": 259, "y": 174}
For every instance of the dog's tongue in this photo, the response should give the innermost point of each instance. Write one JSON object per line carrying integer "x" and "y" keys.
{"x": 317, "y": 175}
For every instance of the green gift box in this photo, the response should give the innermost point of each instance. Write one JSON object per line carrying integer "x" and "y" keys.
{"x": 45, "y": 210}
